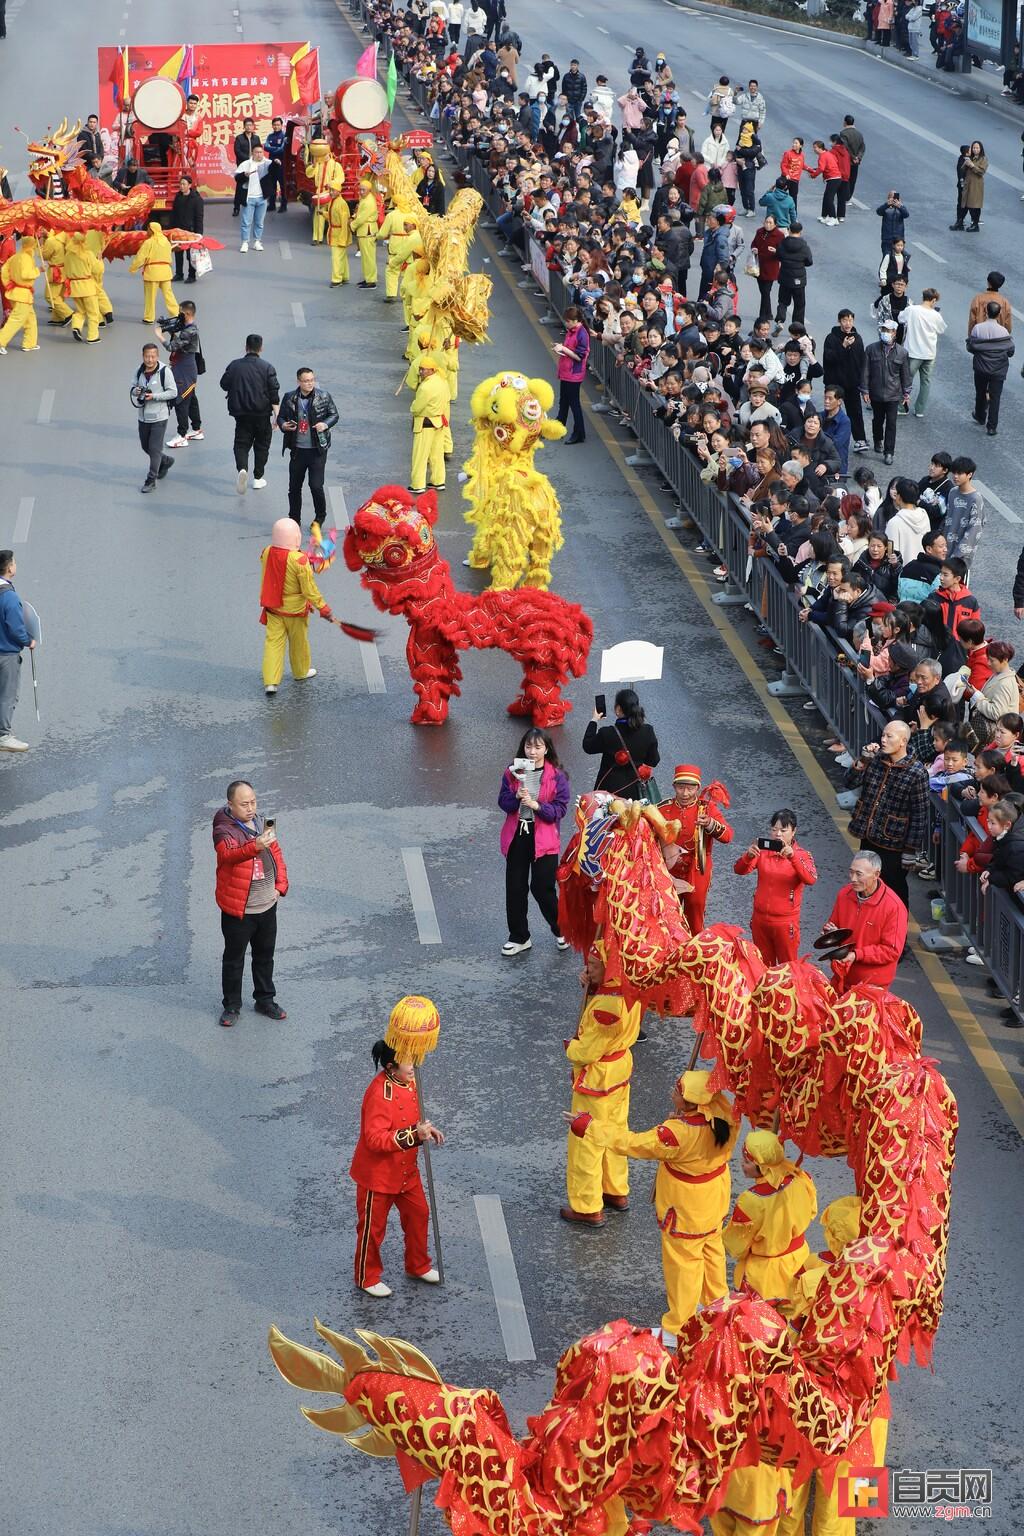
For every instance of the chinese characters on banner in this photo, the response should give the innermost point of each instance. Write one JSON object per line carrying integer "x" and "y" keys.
{"x": 232, "y": 80}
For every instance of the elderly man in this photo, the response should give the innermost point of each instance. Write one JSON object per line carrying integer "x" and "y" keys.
{"x": 878, "y": 920}
{"x": 891, "y": 816}
{"x": 927, "y": 676}
{"x": 251, "y": 875}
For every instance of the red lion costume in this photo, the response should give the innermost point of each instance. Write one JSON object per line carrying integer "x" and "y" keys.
{"x": 392, "y": 544}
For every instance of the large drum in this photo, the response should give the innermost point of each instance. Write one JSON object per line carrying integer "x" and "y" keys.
{"x": 158, "y": 103}
{"x": 361, "y": 104}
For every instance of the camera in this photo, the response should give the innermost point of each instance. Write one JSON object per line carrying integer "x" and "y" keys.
{"x": 520, "y": 765}
{"x": 165, "y": 323}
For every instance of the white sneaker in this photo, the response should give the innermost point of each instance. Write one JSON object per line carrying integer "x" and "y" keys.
{"x": 466, "y": 562}
{"x": 668, "y": 1339}
{"x": 511, "y": 948}
{"x": 380, "y": 1289}
{"x": 241, "y": 481}
{"x": 430, "y": 1278}
{"x": 194, "y": 437}
{"x": 177, "y": 442}
{"x": 832, "y": 222}
{"x": 973, "y": 958}
{"x": 11, "y": 743}
{"x": 270, "y": 689}
{"x": 244, "y": 246}
{"x": 310, "y": 673}
{"x": 257, "y": 245}
{"x": 564, "y": 944}
{"x": 259, "y": 484}
{"x": 3, "y": 351}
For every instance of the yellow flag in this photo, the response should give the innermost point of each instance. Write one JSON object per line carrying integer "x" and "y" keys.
{"x": 171, "y": 69}
{"x": 300, "y": 53}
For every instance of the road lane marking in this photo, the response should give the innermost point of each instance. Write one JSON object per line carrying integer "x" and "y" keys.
{"x": 372, "y": 668}
{"x": 286, "y": 251}
{"x": 46, "y": 406}
{"x": 422, "y": 900}
{"x": 501, "y": 1266}
{"x": 1016, "y": 312}
{"x": 919, "y": 245}
{"x": 23, "y": 521}
{"x": 299, "y": 316}
{"x": 858, "y": 204}
{"x": 122, "y": 31}
{"x": 339, "y": 507}
{"x": 600, "y": 29}
{"x": 998, "y": 503}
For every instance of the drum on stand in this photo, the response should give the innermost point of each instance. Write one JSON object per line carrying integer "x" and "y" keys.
{"x": 158, "y": 103}
{"x": 361, "y": 104}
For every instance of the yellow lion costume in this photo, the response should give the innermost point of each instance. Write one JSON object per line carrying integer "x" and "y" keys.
{"x": 514, "y": 508}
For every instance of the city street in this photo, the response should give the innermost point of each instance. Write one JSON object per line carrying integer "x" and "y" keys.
{"x": 170, "y": 1188}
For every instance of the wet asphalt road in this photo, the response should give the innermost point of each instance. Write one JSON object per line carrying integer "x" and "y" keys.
{"x": 171, "y": 1188}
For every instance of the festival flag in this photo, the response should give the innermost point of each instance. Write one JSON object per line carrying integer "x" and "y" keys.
{"x": 367, "y": 64}
{"x": 119, "y": 77}
{"x": 171, "y": 69}
{"x": 305, "y": 81}
{"x": 392, "y": 84}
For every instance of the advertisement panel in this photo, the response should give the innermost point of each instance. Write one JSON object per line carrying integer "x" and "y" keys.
{"x": 985, "y": 28}
{"x": 232, "y": 80}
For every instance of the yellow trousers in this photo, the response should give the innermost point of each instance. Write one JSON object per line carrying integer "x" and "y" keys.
{"x": 55, "y": 298}
{"x": 21, "y": 318}
{"x": 293, "y": 632}
{"x": 725, "y": 1523}
{"x": 392, "y": 273}
{"x": 694, "y": 1269}
{"x": 591, "y": 1172}
{"x": 319, "y": 224}
{"x": 428, "y": 469}
{"x": 103, "y": 300}
{"x": 368, "y": 257}
{"x": 149, "y": 305}
{"x": 339, "y": 263}
{"x": 826, "y": 1520}
{"x": 87, "y": 316}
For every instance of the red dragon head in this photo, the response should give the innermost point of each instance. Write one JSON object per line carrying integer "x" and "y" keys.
{"x": 391, "y": 532}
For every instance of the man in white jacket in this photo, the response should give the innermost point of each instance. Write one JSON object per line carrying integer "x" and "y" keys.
{"x": 603, "y": 98}
{"x": 923, "y": 326}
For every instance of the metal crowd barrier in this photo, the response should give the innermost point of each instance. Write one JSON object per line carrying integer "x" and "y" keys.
{"x": 993, "y": 922}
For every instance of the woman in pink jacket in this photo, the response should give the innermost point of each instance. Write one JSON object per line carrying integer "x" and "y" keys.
{"x": 534, "y": 795}
{"x": 572, "y": 354}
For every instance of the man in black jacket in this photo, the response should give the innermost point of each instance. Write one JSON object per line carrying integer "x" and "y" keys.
{"x": 245, "y": 143}
{"x": 180, "y": 337}
{"x": 253, "y": 398}
{"x": 842, "y": 358}
{"x": 794, "y": 258}
{"x": 90, "y": 139}
{"x": 187, "y": 212}
{"x": 852, "y": 604}
{"x": 306, "y": 417}
{"x": 574, "y": 88}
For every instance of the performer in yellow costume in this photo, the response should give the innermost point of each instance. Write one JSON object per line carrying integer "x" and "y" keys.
{"x": 52, "y": 252}
{"x": 328, "y": 180}
{"x": 287, "y": 597}
{"x": 430, "y": 407}
{"x": 691, "y": 1192}
{"x": 18, "y": 277}
{"x": 85, "y": 274}
{"x": 95, "y": 239}
{"x": 154, "y": 259}
{"x": 364, "y": 226}
{"x": 395, "y": 228}
{"x": 596, "y": 1174}
{"x": 339, "y": 238}
{"x": 756, "y": 1498}
{"x": 767, "y": 1233}
{"x": 408, "y": 250}
{"x": 841, "y": 1224}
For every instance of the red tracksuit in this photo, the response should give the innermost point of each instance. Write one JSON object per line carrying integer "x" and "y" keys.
{"x": 775, "y": 924}
{"x": 385, "y": 1169}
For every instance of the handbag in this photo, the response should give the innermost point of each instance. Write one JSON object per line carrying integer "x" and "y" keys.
{"x": 200, "y": 363}
{"x": 201, "y": 260}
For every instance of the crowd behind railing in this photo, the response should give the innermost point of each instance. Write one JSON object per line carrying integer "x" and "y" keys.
{"x": 823, "y": 663}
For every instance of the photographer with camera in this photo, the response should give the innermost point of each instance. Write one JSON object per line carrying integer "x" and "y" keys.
{"x": 152, "y": 388}
{"x": 180, "y": 338}
{"x": 306, "y": 417}
{"x": 534, "y": 795}
{"x": 894, "y": 215}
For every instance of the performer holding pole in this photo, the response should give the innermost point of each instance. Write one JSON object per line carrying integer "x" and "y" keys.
{"x": 385, "y": 1166}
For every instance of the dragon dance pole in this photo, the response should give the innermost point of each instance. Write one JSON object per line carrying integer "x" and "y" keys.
{"x": 412, "y": 1033}
{"x": 415, "y": 1503}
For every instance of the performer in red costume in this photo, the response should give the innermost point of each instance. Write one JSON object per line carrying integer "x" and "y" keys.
{"x": 386, "y": 1172}
{"x": 702, "y": 823}
{"x": 782, "y": 874}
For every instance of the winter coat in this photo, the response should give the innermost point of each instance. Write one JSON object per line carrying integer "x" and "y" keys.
{"x": 998, "y": 696}
{"x": 794, "y": 259}
{"x": 894, "y": 218}
{"x": 1007, "y": 865}
{"x": 846, "y": 615}
{"x": 715, "y": 150}
{"x": 236, "y": 858}
{"x": 323, "y": 415}
{"x": 918, "y": 578}
{"x": 162, "y": 386}
{"x": 843, "y": 365}
{"x": 886, "y": 373}
{"x": 553, "y": 802}
{"x": 906, "y": 530}
{"x": 715, "y": 250}
{"x": 765, "y": 245}
{"x": 884, "y": 576}
{"x": 251, "y": 386}
{"x": 991, "y": 346}
{"x": 973, "y": 194}
{"x": 618, "y": 777}
{"x": 779, "y": 204}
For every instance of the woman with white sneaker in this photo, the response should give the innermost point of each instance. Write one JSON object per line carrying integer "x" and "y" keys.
{"x": 534, "y": 795}
{"x": 385, "y": 1168}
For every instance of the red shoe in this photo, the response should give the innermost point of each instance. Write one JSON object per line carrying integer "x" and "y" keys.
{"x": 585, "y": 1218}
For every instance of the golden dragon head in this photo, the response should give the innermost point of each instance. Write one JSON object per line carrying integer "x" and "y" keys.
{"x": 59, "y": 151}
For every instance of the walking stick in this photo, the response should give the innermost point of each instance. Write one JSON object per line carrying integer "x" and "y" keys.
{"x": 414, "y": 1510}
{"x": 696, "y": 1051}
{"x": 35, "y": 682}
{"x": 412, "y": 1033}
{"x": 432, "y": 1202}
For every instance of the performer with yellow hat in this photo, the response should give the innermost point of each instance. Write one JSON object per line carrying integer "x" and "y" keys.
{"x": 18, "y": 277}
{"x": 96, "y": 240}
{"x": 154, "y": 259}
{"x": 328, "y": 180}
{"x": 52, "y": 252}
{"x": 339, "y": 238}
{"x": 408, "y": 251}
{"x": 840, "y": 1222}
{"x": 701, "y": 820}
{"x": 430, "y": 407}
{"x": 756, "y": 1499}
{"x": 84, "y": 272}
{"x": 365, "y": 224}
{"x": 691, "y": 1192}
{"x": 385, "y": 1166}
{"x": 767, "y": 1232}
{"x": 597, "y": 1175}
{"x": 288, "y": 596}
{"x": 396, "y": 229}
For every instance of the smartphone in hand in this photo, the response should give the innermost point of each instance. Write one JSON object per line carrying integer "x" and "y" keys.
{"x": 600, "y": 704}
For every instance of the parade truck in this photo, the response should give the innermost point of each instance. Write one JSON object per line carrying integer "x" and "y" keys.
{"x": 161, "y": 140}
{"x": 357, "y": 132}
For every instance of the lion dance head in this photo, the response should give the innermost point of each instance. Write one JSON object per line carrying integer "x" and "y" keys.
{"x": 510, "y": 409}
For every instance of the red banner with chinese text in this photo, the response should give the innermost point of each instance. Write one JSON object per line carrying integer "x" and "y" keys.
{"x": 232, "y": 80}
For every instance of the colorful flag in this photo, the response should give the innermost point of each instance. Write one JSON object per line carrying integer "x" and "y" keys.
{"x": 392, "y": 83}
{"x": 171, "y": 68}
{"x": 367, "y": 64}
{"x": 305, "y": 81}
{"x": 119, "y": 77}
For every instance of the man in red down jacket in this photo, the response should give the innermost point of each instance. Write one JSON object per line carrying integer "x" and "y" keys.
{"x": 251, "y": 875}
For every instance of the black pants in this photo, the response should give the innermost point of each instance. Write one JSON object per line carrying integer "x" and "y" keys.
{"x": 181, "y": 261}
{"x": 794, "y": 189}
{"x": 893, "y": 873}
{"x": 747, "y": 173}
{"x": 273, "y": 186}
{"x": 883, "y": 429}
{"x": 795, "y": 296}
{"x": 151, "y": 436}
{"x": 186, "y": 408}
{"x": 569, "y": 400}
{"x": 240, "y": 182}
{"x": 987, "y": 394}
{"x": 855, "y": 411}
{"x": 764, "y": 288}
{"x": 843, "y": 196}
{"x": 258, "y": 929}
{"x": 255, "y": 432}
{"x": 305, "y": 462}
{"x": 851, "y": 185}
{"x": 524, "y": 873}
{"x": 828, "y": 197}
